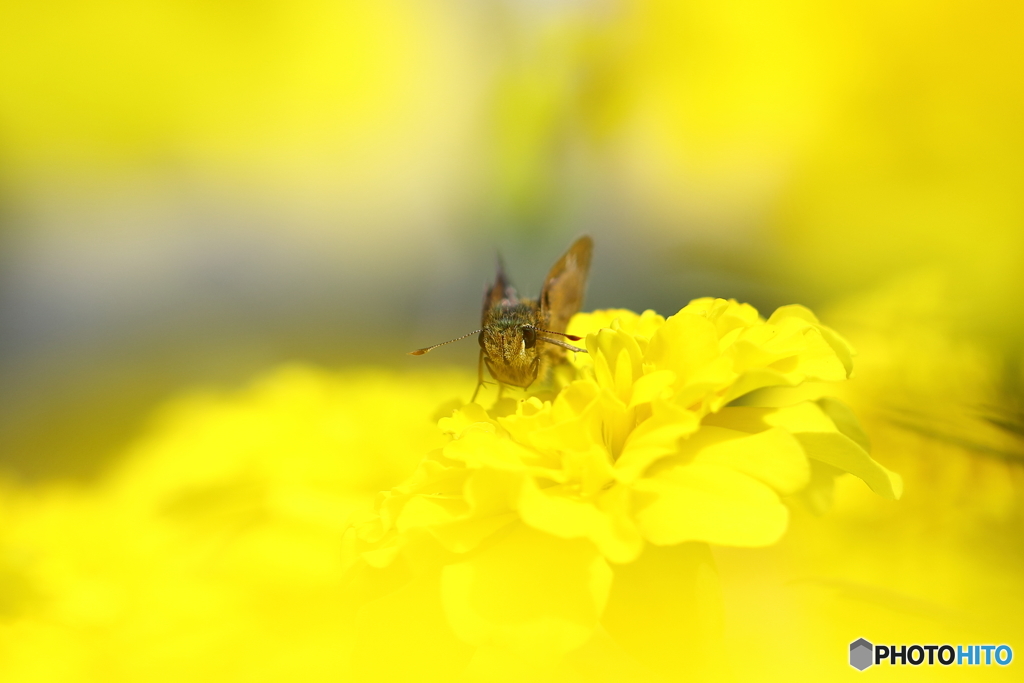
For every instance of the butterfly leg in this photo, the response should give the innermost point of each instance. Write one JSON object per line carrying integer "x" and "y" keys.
{"x": 479, "y": 376}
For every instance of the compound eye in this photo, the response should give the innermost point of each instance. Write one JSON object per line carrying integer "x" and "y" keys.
{"x": 480, "y": 339}
{"x": 529, "y": 337}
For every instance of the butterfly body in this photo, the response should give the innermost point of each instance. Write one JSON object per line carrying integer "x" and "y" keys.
{"x": 521, "y": 339}
{"x": 517, "y": 340}
{"x": 508, "y": 342}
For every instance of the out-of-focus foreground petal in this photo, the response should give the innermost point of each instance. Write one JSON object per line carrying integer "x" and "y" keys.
{"x": 214, "y": 552}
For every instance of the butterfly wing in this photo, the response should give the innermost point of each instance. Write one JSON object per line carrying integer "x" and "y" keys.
{"x": 501, "y": 292}
{"x": 562, "y": 295}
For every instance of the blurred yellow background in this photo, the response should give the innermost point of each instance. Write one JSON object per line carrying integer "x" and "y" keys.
{"x": 193, "y": 194}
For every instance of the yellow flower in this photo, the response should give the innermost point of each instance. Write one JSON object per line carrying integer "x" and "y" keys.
{"x": 943, "y": 563}
{"x": 211, "y": 551}
{"x": 523, "y": 510}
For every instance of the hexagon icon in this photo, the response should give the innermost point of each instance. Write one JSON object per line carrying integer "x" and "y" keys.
{"x": 861, "y": 654}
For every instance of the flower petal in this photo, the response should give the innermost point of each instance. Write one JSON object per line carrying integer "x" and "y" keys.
{"x": 703, "y": 502}
{"x": 684, "y": 345}
{"x": 822, "y": 440}
{"x": 654, "y": 438}
{"x": 531, "y": 593}
{"x": 470, "y": 415}
{"x": 650, "y": 386}
{"x": 665, "y": 610}
{"x": 405, "y": 636}
{"x": 811, "y": 423}
{"x": 773, "y": 457}
{"x": 840, "y": 451}
{"x": 603, "y": 518}
{"x": 485, "y": 449}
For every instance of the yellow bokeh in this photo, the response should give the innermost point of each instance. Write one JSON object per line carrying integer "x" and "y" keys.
{"x": 197, "y": 194}
{"x": 215, "y": 551}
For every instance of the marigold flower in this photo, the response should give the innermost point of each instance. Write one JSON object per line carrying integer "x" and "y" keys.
{"x": 930, "y": 391}
{"x": 646, "y": 445}
{"x": 211, "y": 550}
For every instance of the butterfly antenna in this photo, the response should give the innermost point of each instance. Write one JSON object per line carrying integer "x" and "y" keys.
{"x": 420, "y": 352}
{"x": 570, "y": 337}
{"x": 559, "y": 342}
